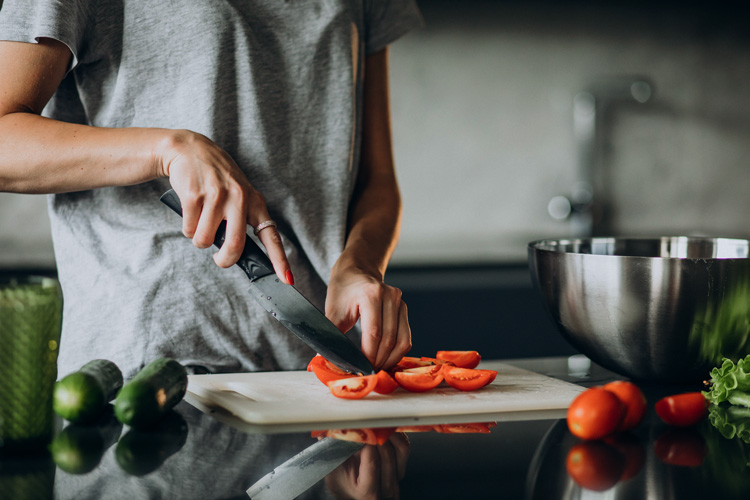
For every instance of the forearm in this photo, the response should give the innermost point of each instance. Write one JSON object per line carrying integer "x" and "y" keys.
{"x": 375, "y": 211}
{"x": 40, "y": 155}
{"x": 374, "y": 226}
{"x": 356, "y": 290}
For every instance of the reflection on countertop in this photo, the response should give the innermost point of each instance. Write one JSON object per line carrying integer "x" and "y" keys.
{"x": 199, "y": 455}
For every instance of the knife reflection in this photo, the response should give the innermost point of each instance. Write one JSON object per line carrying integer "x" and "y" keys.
{"x": 302, "y": 471}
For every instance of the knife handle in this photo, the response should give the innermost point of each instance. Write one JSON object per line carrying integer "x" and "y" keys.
{"x": 253, "y": 261}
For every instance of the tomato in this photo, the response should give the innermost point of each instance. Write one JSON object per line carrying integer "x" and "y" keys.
{"x": 682, "y": 447}
{"x": 386, "y": 384}
{"x": 420, "y": 379}
{"x": 632, "y": 450}
{"x": 594, "y": 465}
{"x": 633, "y": 399}
{"x": 327, "y": 371}
{"x": 353, "y": 387}
{"x": 374, "y": 436}
{"x": 408, "y": 362}
{"x": 472, "y": 428}
{"x": 595, "y": 413}
{"x": 462, "y": 359}
{"x": 436, "y": 361}
{"x": 383, "y": 434}
{"x": 467, "y": 379}
{"x": 682, "y": 410}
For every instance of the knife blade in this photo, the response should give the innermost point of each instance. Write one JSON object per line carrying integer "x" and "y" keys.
{"x": 303, "y": 471}
{"x": 288, "y": 305}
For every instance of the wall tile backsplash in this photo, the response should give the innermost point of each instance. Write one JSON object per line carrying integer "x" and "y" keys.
{"x": 483, "y": 122}
{"x": 482, "y": 104}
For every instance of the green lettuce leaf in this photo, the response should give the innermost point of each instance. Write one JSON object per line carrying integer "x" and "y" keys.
{"x": 730, "y": 382}
{"x": 726, "y": 469}
{"x": 731, "y": 421}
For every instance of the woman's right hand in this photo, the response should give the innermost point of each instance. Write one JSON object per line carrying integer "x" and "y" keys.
{"x": 212, "y": 188}
{"x": 39, "y": 155}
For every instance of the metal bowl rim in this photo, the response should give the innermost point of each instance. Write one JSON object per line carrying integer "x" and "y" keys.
{"x": 536, "y": 245}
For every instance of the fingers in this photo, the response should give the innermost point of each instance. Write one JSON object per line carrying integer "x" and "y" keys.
{"x": 212, "y": 189}
{"x": 403, "y": 339}
{"x": 202, "y": 216}
{"x": 369, "y": 472}
{"x": 234, "y": 239}
{"x": 209, "y": 216}
{"x": 386, "y": 335}
{"x": 378, "y": 472}
{"x": 271, "y": 240}
{"x": 388, "y": 471}
{"x": 191, "y": 213}
{"x": 370, "y": 318}
{"x": 401, "y": 446}
{"x": 373, "y": 472}
{"x": 390, "y": 324}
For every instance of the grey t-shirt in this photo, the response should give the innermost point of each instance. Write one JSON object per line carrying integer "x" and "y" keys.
{"x": 278, "y": 85}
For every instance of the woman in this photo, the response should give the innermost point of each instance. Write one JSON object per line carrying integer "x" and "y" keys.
{"x": 253, "y": 112}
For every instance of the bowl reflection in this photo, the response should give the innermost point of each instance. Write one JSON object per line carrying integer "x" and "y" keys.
{"x": 653, "y": 309}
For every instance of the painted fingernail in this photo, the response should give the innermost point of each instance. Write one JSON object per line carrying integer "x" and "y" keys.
{"x": 289, "y": 277}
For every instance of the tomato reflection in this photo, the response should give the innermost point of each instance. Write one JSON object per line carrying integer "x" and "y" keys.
{"x": 683, "y": 447}
{"x": 600, "y": 465}
{"x": 379, "y": 435}
{"x": 376, "y": 470}
{"x": 633, "y": 451}
{"x": 595, "y": 465}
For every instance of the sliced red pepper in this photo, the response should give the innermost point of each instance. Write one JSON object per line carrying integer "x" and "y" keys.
{"x": 467, "y": 379}
{"x": 462, "y": 359}
{"x": 386, "y": 384}
{"x": 327, "y": 371}
{"x": 353, "y": 387}
{"x": 420, "y": 379}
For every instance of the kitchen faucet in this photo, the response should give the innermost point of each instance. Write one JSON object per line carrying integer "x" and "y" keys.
{"x": 585, "y": 207}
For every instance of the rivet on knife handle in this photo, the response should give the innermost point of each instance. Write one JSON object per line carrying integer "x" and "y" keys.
{"x": 254, "y": 262}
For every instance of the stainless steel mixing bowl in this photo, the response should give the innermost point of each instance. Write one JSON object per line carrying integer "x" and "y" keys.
{"x": 652, "y": 309}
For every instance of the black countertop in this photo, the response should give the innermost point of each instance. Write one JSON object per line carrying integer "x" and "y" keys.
{"x": 204, "y": 456}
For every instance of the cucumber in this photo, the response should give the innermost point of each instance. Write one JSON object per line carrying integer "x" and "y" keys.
{"x": 156, "y": 389}
{"x": 79, "y": 448}
{"x": 82, "y": 396}
{"x": 142, "y": 451}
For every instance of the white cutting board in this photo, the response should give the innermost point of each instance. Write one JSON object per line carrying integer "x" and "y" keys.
{"x": 299, "y": 397}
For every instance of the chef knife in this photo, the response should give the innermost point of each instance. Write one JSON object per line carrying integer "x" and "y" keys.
{"x": 304, "y": 470}
{"x": 288, "y": 305}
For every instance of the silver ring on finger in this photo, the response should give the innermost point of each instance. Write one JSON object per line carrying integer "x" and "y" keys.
{"x": 263, "y": 225}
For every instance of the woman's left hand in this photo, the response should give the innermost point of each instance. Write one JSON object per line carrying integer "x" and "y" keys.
{"x": 374, "y": 472}
{"x": 354, "y": 294}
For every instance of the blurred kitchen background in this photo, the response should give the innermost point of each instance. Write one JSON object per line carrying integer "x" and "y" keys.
{"x": 519, "y": 120}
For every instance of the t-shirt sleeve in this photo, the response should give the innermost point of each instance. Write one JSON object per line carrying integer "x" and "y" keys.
{"x": 388, "y": 20}
{"x": 62, "y": 20}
